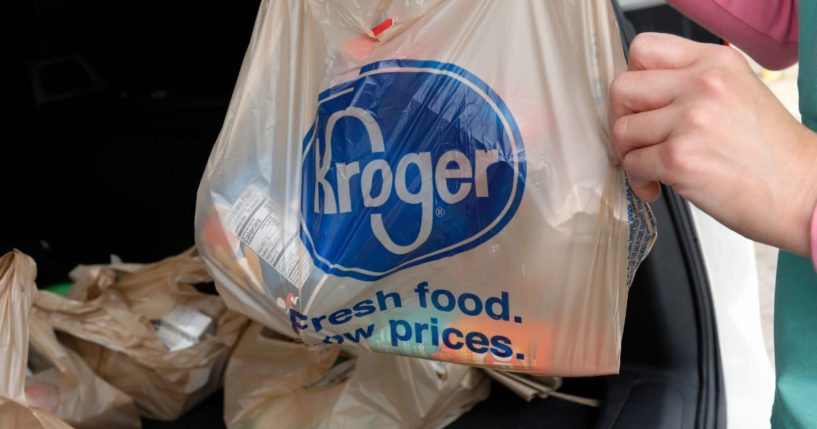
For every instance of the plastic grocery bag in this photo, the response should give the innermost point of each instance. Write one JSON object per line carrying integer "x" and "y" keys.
{"x": 428, "y": 179}
{"x": 111, "y": 327}
{"x": 63, "y": 384}
{"x": 272, "y": 381}
{"x": 266, "y": 375}
{"x": 17, "y": 272}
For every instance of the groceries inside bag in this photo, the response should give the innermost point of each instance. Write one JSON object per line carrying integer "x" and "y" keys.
{"x": 150, "y": 333}
{"x": 437, "y": 187}
{"x": 273, "y": 381}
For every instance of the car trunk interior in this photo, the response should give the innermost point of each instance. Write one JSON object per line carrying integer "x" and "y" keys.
{"x": 115, "y": 109}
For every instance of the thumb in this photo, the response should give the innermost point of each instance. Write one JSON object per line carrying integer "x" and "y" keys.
{"x": 648, "y": 191}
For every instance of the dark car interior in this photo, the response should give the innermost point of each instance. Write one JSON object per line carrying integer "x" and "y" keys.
{"x": 113, "y": 108}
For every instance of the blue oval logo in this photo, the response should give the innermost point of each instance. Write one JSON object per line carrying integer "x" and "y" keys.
{"x": 413, "y": 161}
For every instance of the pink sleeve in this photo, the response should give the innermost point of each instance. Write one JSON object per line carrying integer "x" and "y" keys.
{"x": 765, "y": 29}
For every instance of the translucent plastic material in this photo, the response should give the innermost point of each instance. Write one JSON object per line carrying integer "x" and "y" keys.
{"x": 63, "y": 383}
{"x": 107, "y": 321}
{"x": 272, "y": 381}
{"x": 17, "y": 272}
{"x": 440, "y": 189}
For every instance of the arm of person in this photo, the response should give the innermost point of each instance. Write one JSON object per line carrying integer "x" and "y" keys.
{"x": 694, "y": 116}
{"x": 765, "y": 29}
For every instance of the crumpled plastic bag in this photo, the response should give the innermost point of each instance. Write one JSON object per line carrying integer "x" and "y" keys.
{"x": 430, "y": 179}
{"x": 17, "y": 272}
{"x": 272, "y": 381}
{"x": 64, "y": 385}
{"x": 109, "y": 324}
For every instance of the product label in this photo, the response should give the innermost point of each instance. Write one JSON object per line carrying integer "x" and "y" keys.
{"x": 183, "y": 327}
{"x": 411, "y": 162}
{"x": 254, "y": 221}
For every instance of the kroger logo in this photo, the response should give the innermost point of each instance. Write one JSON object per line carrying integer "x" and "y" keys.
{"x": 411, "y": 162}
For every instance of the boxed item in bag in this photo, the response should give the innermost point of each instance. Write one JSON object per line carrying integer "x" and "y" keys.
{"x": 182, "y": 327}
{"x": 428, "y": 179}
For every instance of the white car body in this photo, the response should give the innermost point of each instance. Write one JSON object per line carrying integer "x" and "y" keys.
{"x": 747, "y": 373}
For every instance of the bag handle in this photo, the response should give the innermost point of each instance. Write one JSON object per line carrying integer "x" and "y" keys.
{"x": 17, "y": 273}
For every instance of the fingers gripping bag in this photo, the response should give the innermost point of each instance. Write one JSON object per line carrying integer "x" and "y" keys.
{"x": 428, "y": 179}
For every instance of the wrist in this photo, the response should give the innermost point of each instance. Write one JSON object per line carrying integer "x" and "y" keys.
{"x": 801, "y": 198}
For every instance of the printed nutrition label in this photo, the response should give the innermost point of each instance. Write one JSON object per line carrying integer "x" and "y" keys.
{"x": 256, "y": 222}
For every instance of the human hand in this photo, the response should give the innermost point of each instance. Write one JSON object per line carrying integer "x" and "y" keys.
{"x": 694, "y": 116}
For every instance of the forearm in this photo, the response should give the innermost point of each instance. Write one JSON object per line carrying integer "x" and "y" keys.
{"x": 765, "y": 29}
